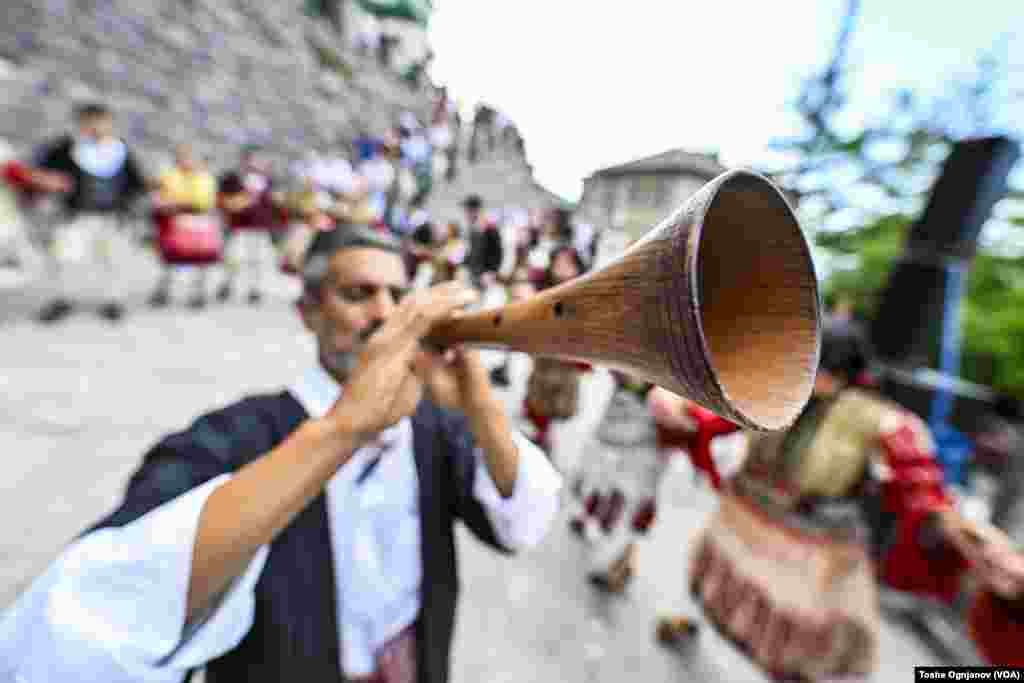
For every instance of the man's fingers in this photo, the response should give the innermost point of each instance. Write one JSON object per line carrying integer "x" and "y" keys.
{"x": 408, "y": 396}
{"x": 418, "y": 313}
{"x": 426, "y": 361}
{"x": 442, "y": 301}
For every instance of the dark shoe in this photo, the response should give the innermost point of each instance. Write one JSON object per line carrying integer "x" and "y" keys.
{"x": 112, "y": 311}
{"x": 576, "y": 526}
{"x": 159, "y": 299}
{"x": 618, "y": 575}
{"x": 255, "y": 298}
{"x": 197, "y": 302}
{"x": 55, "y": 311}
{"x": 614, "y": 581}
{"x": 677, "y": 630}
{"x": 224, "y": 293}
{"x": 499, "y": 376}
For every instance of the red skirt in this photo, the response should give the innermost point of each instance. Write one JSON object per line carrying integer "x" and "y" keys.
{"x": 997, "y": 629}
{"x": 189, "y": 239}
{"x": 800, "y": 606}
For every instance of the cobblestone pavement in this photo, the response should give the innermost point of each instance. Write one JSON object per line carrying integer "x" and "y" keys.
{"x": 82, "y": 400}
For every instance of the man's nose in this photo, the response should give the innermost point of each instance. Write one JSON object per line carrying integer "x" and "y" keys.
{"x": 381, "y": 305}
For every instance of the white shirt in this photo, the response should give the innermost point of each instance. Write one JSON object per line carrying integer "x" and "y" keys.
{"x": 112, "y": 606}
{"x": 416, "y": 149}
{"x": 101, "y": 159}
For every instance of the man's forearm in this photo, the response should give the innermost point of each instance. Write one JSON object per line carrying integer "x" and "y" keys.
{"x": 258, "y": 502}
{"x": 490, "y": 428}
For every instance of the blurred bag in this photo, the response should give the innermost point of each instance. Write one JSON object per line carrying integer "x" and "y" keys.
{"x": 553, "y": 389}
{"x": 191, "y": 239}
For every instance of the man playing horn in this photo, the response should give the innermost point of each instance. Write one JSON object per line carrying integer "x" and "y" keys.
{"x": 850, "y": 494}
{"x": 307, "y": 533}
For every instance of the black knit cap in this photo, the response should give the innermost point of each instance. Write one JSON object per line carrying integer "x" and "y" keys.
{"x": 844, "y": 349}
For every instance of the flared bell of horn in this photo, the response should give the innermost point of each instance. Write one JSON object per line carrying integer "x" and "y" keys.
{"x": 719, "y": 303}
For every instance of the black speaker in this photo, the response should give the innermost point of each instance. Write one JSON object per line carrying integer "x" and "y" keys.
{"x": 910, "y": 309}
{"x": 973, "y": 179}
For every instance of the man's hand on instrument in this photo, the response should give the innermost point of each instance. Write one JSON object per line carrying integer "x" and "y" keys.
{"x": 386, "y": 384}
{"x": 520, "y": 291}
{"x": 1002, "y": 568}
{"x": 455, "y": 379}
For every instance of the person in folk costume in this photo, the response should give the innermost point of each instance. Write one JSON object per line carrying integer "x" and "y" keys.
{"x": 552, "y": 392}
{"x": 519, "y": 286}
{"x": 643, "y": 428}
{"x": 308, "y": 530}
{"x": 527, "y": 240}
{"x": 326, "y": 191}
{"x": 103, "y": 178}
{"x": 616, "y": 485}
{"x": 485, "y": 245}
{"x": 402, "y": 190}
{"x": 849, "y": 496}
{"x": 21, "y": 185}
{"x": 551, "y": 229}
{"x": 450, "y": 258}
{"x": 250, "y": 204}
{"x": 995, "y": 621}
{"x": 186, "y": 189}
{"x": 420, "y": 244}
{"x": 516, "y": 283}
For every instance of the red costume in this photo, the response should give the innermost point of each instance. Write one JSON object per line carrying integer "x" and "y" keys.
{"x": 797, "y": 497}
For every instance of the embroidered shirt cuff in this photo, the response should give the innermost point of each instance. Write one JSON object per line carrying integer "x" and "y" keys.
{"x": 522, "y": 519}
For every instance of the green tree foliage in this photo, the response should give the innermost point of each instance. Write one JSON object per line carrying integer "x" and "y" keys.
{"x": 859, "y": 190}
{"x": 993, "y": 310}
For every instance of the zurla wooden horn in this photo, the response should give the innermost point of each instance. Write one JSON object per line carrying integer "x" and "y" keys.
{"x": 719, "y": 303}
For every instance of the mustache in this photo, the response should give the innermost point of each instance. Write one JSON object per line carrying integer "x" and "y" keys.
{"x": 343, "y": 362}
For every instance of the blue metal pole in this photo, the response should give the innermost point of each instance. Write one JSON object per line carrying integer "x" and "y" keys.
{"x": 953, "y": 447}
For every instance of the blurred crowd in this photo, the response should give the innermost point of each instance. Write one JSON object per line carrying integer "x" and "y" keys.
{"x": 258, "y": 216}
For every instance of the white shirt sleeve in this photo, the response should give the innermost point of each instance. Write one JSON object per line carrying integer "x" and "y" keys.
{"x": 521, "y": 520}
{"x": 112, "y": 606}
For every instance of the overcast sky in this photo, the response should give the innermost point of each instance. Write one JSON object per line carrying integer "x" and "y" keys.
{"x": 595, "y": 83}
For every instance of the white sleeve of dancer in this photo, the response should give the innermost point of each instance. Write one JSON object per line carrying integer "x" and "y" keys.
{"x": 112, "y": 606}
{"x": 522, "y": 520}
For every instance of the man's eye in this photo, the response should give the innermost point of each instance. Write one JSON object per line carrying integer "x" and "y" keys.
{"x": 398, "y": 293}
{"x": 355, "y": 293}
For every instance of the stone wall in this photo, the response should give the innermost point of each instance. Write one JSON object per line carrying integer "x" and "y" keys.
{"x": 217, "y": 72}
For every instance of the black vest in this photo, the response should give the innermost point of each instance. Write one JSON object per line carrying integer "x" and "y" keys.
{"x": 294, "y": 635}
